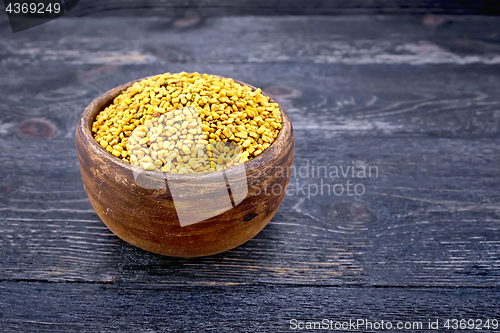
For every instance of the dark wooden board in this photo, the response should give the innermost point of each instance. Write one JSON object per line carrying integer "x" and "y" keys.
{"x": 63, "y": 307}
{"x": 282, "y": 7}
{"x": 419, "y": 101}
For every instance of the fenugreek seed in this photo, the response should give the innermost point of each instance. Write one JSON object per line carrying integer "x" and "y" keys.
{"x": 147, "y": 159}
{"x": 148, "y": 166}
{"x": 227, "y": 132}
{"x": 246, "y": 143}
{"x": 168, "y": 165}
{"x": 261, "y": 130}
{"x": 189, "y": 109}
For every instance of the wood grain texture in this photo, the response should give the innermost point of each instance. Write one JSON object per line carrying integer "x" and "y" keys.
{"x": 428, "y": 219}
{"x": 226, "y": 308}
{"x": 211, "y": 8}
{"x": 419, "y": 102}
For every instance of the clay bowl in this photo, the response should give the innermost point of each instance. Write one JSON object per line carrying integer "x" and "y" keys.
{"x": 183, "y": 215}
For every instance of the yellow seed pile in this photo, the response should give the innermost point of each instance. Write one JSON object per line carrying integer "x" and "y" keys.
{"x": 187, "y": 123}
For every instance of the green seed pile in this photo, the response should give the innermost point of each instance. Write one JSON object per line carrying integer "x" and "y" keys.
{"x": 187, "y": 123}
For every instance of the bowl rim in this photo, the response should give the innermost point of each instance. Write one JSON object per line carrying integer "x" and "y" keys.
{"x": 84, "y": 129}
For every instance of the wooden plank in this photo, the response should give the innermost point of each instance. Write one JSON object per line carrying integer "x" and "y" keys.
{"x": 77, "y": 307}
{"x": 419, "y": 103}
{"x": 281, "y": 7}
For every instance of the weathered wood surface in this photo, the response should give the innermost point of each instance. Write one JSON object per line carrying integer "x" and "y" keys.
{"x": 204, "y": 8}
{"x": 161, "y": 308}
{"x": 419, "y": 101}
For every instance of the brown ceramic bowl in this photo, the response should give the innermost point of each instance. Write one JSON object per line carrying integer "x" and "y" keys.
{"x": 146, "y": 216}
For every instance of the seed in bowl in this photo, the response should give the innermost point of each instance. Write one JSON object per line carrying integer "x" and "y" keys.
{"x": 187, "y": 123}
